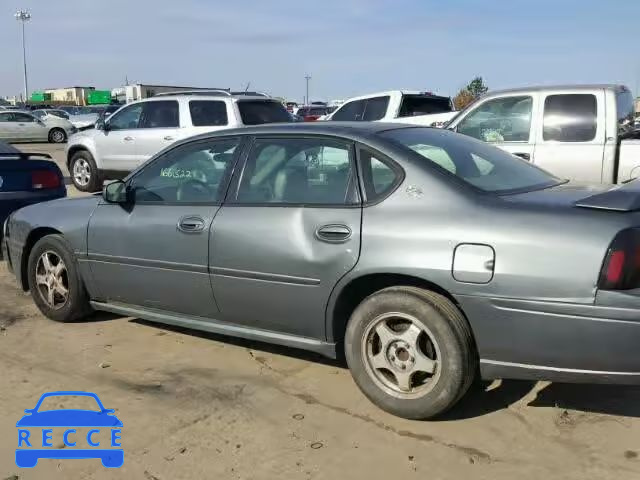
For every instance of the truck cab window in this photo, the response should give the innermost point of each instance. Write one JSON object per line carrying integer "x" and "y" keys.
{"x": 570, "y": 118}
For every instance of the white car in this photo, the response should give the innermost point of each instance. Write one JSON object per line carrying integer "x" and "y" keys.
{"x": 139, "y": 130}
{"x": 18, "y": 126}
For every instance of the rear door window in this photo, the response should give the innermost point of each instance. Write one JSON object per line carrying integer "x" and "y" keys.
{"x": 570, "y": 118}
{"x": 23, "y": 117}
{"x": 256, "y": 112}
{"x": 208, "y": 113}
{"x": 350, "y": 112}
{"x": 160, "y": 114}
{"x": 375, "y": 109}
{"x": 301, "y": 171}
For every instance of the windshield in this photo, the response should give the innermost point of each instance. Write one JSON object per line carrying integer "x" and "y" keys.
{"x": 476, "y": 163}
{"x": 256, "y": 112}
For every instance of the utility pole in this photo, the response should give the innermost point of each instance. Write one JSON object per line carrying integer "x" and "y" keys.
{"x": 307, "y": 77}
{"x": 24, "y": 16}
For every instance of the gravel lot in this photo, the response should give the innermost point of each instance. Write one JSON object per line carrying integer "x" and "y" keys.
{"x": 198, "y": 406}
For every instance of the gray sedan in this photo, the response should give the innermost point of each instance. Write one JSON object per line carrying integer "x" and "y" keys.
{"x": 18, "y": 126}
{"x": 424, "y": 256}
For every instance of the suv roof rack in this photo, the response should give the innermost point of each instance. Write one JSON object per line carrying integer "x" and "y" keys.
{"x": 214, "y": 92}
{"x": 250, "y": 94}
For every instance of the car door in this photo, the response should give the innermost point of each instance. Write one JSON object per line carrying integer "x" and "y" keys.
{"x": 7, "y": 126}
{"x": 505, "y": 122}
{"x": 571, "y": 142}
{"x": 116, "y": 143}
{"x": 153, "y": 252}
{"x": 29, "y": 128}
{"x": 159, "y": 127}
{"x": 288, "y": 231}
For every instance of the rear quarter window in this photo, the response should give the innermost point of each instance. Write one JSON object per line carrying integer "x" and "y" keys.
{"x": 208, "y": 113}
{"x": 256, "y": 112}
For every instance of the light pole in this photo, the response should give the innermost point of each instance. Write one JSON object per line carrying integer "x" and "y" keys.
{"x": 24, "y": 16}
{"x": 307, "y": 77}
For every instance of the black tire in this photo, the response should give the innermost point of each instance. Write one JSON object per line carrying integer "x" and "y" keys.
{"x": 77, "y": 305}
{"x": 96, "y": 179}
{"x": 57, "y": 135}
{"x": 458, "y": 360}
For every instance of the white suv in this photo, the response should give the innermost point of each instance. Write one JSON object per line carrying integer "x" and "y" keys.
{"x": 139, "y": 130}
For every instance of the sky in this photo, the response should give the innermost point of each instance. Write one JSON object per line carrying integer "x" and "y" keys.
{"x": 349, "y": 47}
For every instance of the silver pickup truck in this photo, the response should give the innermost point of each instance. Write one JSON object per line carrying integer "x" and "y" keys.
{"x": 579, "y": 132}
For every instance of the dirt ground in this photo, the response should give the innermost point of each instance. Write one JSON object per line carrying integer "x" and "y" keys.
{"x": 201, "y": 406}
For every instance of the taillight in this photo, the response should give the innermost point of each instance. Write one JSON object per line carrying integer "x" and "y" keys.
{"x": 44, "y": 179}
{"x": 621, "y": 268}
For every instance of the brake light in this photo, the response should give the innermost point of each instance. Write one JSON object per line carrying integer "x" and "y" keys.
{"x": 44, "y": 179}
{"x": 621, "y": 268}
{"x": 615, "y": 266}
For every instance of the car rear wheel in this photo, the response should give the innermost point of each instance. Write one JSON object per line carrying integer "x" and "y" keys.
{"x": 84, "y": 173}
{"x": 410, "y": 351}
{"x": 54, "y": 281}
{"x": 57, "y": 135}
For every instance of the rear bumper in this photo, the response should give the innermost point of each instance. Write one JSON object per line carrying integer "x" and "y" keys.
{"x": 539, "y": 340}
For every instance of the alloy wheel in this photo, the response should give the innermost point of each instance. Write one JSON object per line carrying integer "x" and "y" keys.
{"x": 81, "y": 172}
{"x": 401, "y": 355}
{"x": 52, "y": 280}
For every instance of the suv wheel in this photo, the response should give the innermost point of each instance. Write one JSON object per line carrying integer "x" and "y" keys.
{"x": 84, "y": 173}
{"x": 410, "y": 351}
{"x": 54, "y": 281}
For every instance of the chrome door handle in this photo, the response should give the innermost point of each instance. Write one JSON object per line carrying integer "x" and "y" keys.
{"x": 191, "y": 224}
{"x": 168, "y": 138}
{"x": 334, "y": 233}
{"x": 524, "y": 156}
{"x": 128, "y": 139}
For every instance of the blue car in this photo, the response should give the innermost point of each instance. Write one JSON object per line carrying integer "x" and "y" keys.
{"x": 25, "y": 179}
{"x": 30, "y": 449}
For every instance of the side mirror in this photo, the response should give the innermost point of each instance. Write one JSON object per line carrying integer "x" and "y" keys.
{"x": 109, "y": 411}
{"x": 116, "y": 192}
{"x": 28, "y": 410}
{"x": 100, "y": 125}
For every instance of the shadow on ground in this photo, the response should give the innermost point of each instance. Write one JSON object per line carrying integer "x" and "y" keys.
{"x": 250, "y": 344}
{"x": 621, "y": 400}
{"x": 481, "y": 400}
